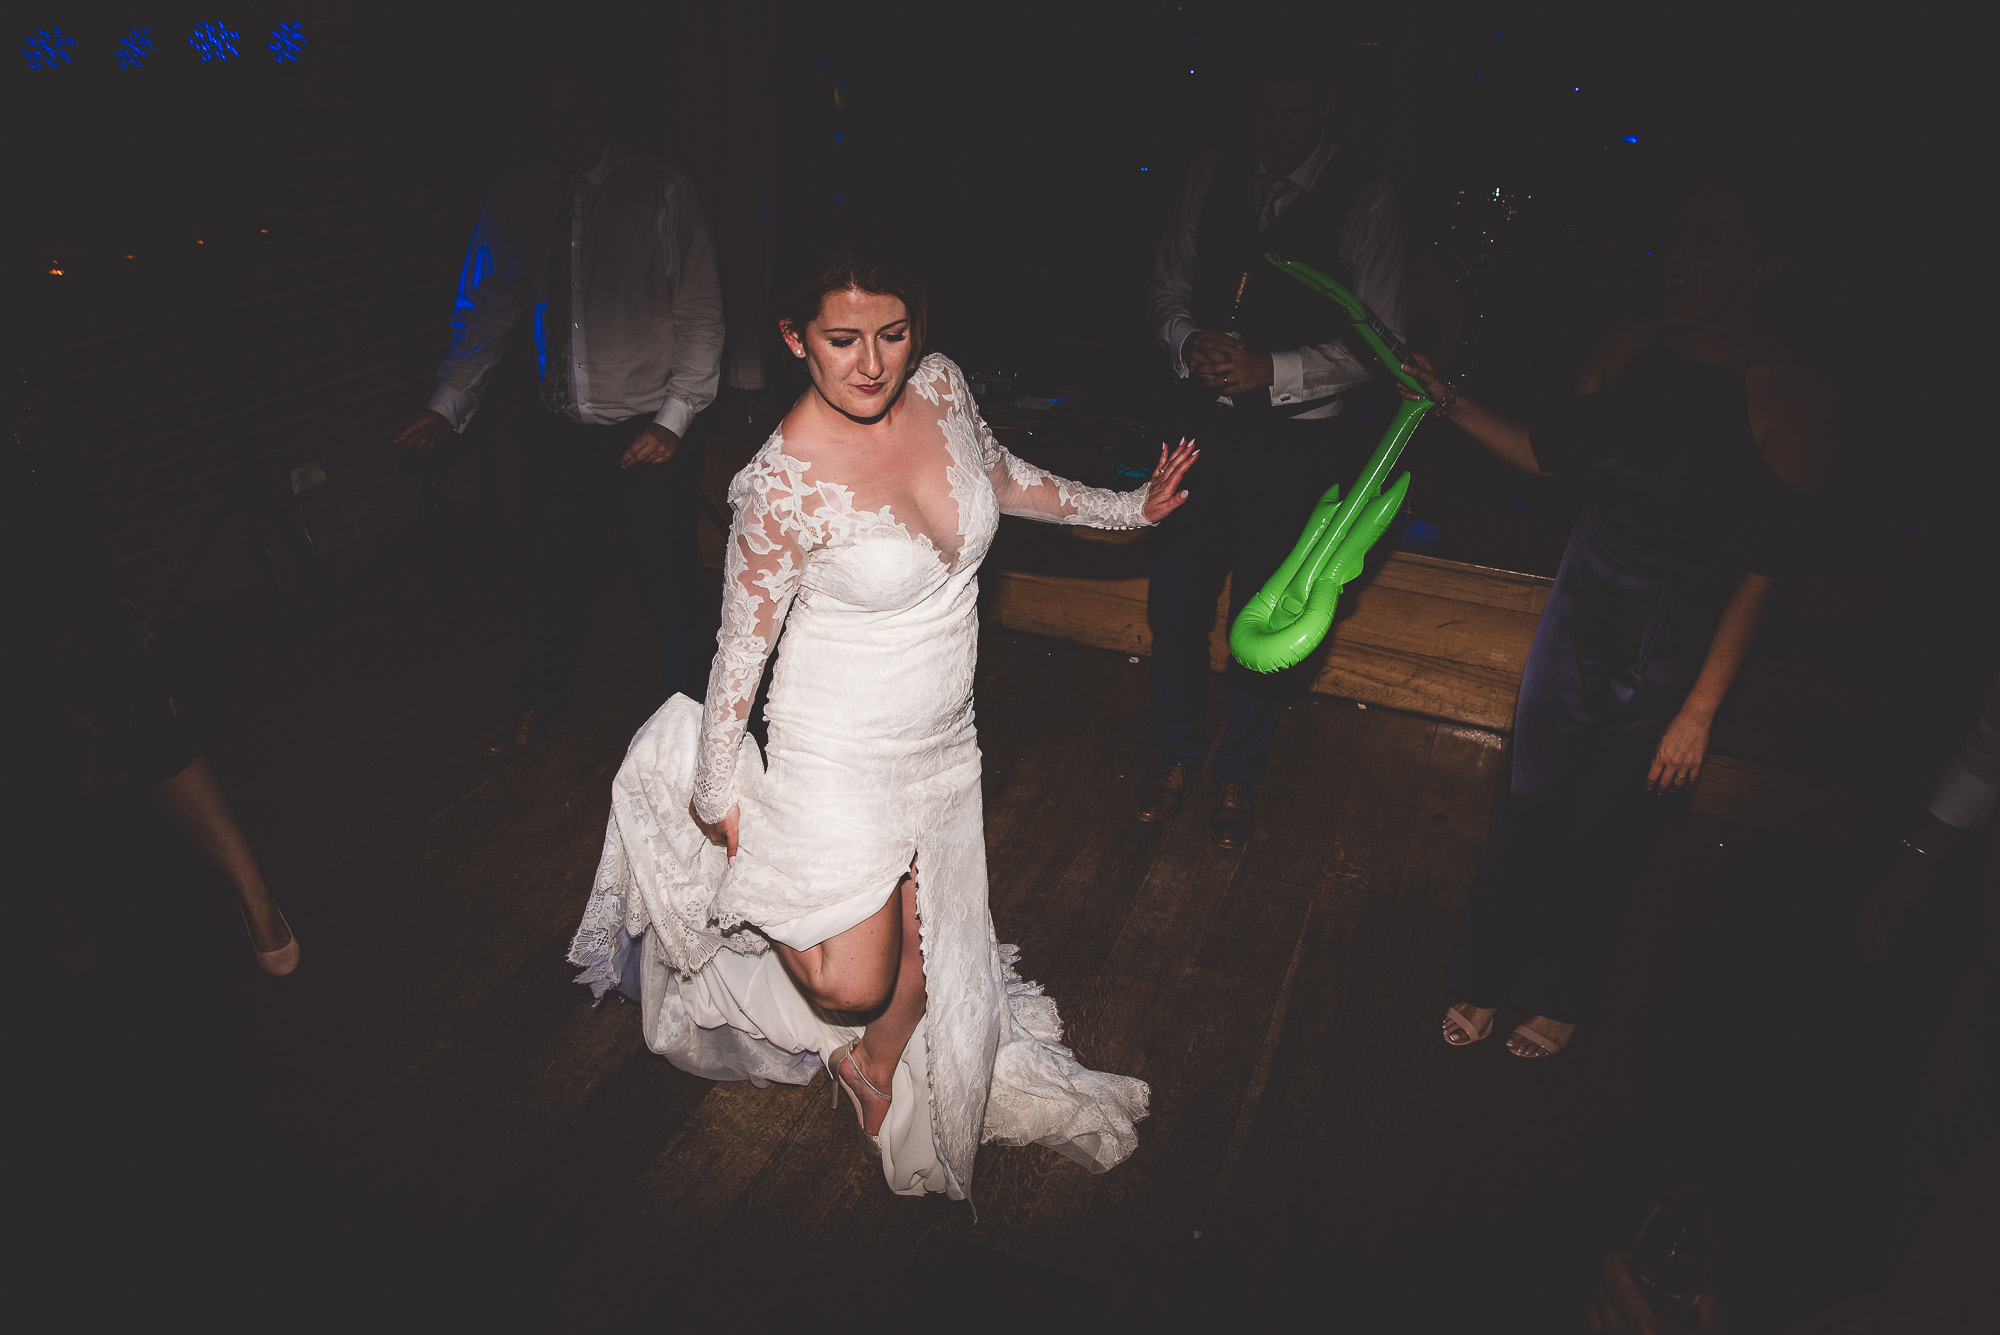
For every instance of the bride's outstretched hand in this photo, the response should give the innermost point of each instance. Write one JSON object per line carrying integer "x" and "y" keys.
{"x": 1163, "y": 489}
{"x": 722, "y": 831}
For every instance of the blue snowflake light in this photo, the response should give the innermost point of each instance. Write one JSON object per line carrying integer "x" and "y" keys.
{"x": 287, "y": 41}
{"x": 134, "y": 47}
{"x": 212, "y": 41}
{"x": 47, "y": 49}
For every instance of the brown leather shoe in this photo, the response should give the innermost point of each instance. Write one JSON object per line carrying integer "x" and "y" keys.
{"x": 1234, "y": 820}
{"x": 525, "y": 735}
{"x": 1161, "y": 797}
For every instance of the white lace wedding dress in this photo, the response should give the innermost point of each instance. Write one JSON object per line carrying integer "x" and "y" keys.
{"x": 873, "y": 765}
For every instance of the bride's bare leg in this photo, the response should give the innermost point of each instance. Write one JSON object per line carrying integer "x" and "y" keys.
{"x": 839, "y": 973}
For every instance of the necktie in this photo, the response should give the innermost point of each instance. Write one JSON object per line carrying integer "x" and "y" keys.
{"x": 1277, "y": 190}
{"x": 557, "y": 391}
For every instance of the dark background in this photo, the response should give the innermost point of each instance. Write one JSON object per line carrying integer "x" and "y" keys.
{"x": 295, "y": 227}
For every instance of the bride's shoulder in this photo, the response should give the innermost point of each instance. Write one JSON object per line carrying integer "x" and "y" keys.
{"x": 777, "y": 471}
{"x": 937, "y": 377}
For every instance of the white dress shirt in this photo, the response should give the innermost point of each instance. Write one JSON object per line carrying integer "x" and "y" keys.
{"x": 645, "y": 301}
{"x": 1371, "y": 242}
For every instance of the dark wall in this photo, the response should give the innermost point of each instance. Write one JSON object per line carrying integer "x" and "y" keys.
{"x": 296, "y": 227}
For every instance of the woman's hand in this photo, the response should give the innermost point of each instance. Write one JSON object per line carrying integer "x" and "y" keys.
{"x": 1426, "y": 375}
{"x": 1163, "y": 494}
{"x": 1677, "y": 762}
{"x": 720, "y": 832}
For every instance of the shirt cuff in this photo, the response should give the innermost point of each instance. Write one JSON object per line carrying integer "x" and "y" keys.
{"x": 1962, "y": 799}
{"x": 453, "y": 405}
{"x": 1288, "y": 377}
{"x": 1179, "y": 330}
{"x": 675, "y": 416}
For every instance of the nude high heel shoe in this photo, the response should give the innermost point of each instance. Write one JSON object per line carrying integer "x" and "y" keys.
{"x": 845, "y": 1053}
{"x": 285, "y": 958}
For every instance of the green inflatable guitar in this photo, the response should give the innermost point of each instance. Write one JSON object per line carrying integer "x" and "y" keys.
{"x": 1287, "y": 618}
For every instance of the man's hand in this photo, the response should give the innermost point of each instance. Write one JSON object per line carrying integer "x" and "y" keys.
{"x": 425, "y": 431}
{"x": 654, "y": 445}
{"x": 1224, "y": 365}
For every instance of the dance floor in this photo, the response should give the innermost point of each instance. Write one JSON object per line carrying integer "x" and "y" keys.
{"x": 430, "y": 1125}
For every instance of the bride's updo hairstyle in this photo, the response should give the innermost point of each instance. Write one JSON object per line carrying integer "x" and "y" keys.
{"x": 849, "y": 268}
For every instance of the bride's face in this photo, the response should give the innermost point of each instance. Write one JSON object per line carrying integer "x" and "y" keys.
{"x": 857, "y": 351}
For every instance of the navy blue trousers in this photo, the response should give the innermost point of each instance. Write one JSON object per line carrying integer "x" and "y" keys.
{"x": 1614, "y": 656}
{"x": 1248, "y": 500}
{"x": 576, "y": 497}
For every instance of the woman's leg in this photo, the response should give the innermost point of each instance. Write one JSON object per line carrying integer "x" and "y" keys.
{"x": 872, "y": 975}
{"x": 194, "y": 801}
{"x": 1500, "y": 937}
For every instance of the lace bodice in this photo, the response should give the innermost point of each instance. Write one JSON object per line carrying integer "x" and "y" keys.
{"x": 791, "y": 516}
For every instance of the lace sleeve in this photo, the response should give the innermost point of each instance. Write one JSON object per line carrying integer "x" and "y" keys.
{"x": 1035, "y": 493}
{"x": 761, "y": 566}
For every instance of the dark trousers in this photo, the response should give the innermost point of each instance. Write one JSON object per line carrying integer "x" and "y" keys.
{"x": 1248, "y": 500}
{"x": 1613, "y": 658}
{"x": 576, "y": 496}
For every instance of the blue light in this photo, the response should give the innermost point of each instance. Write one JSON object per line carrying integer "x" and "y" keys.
{"x": 287, "y": 41}
{"x": 1420, "y": 534}
{"x": 1145, "y": 169}
{"x": 47, "y": 49}
{"x": 839, "y": 137}
{"x": 212, "y": 41}
{"x": 134, "y": 47}
{"x": 1629, "y": 139}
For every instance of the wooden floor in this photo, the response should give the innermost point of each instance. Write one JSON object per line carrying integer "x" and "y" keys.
{"x": 430, "y": 1126}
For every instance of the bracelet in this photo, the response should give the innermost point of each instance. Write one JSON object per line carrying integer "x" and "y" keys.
{"x": 1447, "y": 400}
{"x": 1917, "y": 848}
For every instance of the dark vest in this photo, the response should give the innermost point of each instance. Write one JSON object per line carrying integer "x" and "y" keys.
{"x": 1277, "y": 312}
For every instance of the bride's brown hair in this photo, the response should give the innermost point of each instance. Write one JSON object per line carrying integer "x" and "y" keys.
{"x": 851, "y": 269}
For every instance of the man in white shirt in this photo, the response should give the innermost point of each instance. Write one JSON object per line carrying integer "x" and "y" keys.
{"x": 1267, "y": 372}
{"x": 608, "y": 254}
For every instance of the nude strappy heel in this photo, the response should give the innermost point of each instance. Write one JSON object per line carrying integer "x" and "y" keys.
{"x": 845, "y": 1053}
{"x": 1457, "y": 1017}
{"x": 1548, "y": 1044}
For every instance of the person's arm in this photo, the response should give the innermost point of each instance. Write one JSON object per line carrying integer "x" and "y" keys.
{"x": 1791, "y": 413}
{"x": 1503, "y": 437}
{"x": 1022, "y": 489}
{"x": 1170, "y": 296}
{"x": 697, "y": 363}
{"x": 1371, "y": 243}
{"x": 1512, "y": 442}
{"x": 696, "y": 366}
{"x": 485, "y": 312}
{"x": 1677, "y": 761}
{"x": 761, "y": 567}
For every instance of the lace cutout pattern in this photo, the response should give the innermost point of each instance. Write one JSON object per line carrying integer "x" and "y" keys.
{"x": 782, "y": 521}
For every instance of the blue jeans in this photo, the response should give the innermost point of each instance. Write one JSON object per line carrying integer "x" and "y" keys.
{"x": 1248, "y": 500}
{"x": 1614, "y": 656}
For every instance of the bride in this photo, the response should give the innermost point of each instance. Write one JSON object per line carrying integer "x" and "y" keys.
{"x": 823, "y": 905}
